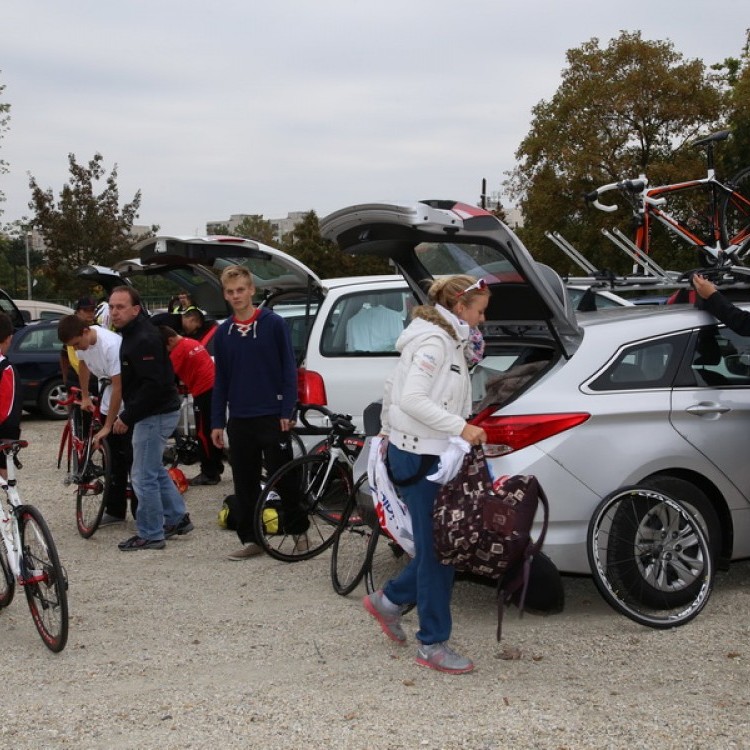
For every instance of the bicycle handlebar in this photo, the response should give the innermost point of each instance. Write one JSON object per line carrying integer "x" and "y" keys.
{"x": 627, "y": 186}
{"x": 341, "y": 423}
{"x": 74, "y": 397}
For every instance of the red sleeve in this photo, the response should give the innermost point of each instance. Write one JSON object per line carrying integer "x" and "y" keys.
{"x": 7, "y": 392}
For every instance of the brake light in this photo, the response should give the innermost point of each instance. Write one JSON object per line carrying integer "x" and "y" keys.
{"x": 511, "y": 433}
{"x": 310, "y": 387}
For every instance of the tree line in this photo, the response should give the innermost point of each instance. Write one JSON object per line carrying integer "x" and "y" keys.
{"x": 633, "y": 106}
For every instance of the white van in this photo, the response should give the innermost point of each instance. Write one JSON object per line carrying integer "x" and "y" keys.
{"x": 37, "y": 309}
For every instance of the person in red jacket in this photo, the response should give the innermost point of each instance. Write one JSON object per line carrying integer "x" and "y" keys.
{"x": 195, "y": 368}
{"x": 10, "y": 391}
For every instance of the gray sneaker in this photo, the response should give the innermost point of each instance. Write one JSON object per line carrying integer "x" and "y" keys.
{"x": 442, "y": 657}
{"x": 388, "y": 621}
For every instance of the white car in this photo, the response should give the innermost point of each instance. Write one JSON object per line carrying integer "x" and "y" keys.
{"x": 36, "y": 309}
{"x": 343, "y": 330}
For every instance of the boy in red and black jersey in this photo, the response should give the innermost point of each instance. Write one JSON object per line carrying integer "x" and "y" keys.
{"x": 194, "y": 367}
{"x": 10, "y": 390}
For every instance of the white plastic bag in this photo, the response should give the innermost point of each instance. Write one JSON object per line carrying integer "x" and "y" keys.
{"x": 450, "y": 460}
{"x": 393, "y": 515}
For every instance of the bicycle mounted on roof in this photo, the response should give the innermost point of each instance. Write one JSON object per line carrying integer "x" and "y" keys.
{"x": 721, "y": 235}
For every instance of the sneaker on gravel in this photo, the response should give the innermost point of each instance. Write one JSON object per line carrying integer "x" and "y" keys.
{"x": 108, "y": 520}
{"x": 442, "y": 657}
{"x": 202, "y": 480}
{"x": 136, "y": 543}
{"x": 183, "y": 527}
{"x": 390, "y": 622}
{"x": 249, "y": 550}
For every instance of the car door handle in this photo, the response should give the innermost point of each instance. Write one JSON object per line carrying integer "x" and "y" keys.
{"x": 707, "y": 407}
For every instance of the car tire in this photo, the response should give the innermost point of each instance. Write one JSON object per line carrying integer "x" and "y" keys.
{"x": 47, "y": 402}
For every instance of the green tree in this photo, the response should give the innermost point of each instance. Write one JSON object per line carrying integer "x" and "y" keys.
{"x": 323, "y": 257}
{"x": 4, "y": 120}
{"x": 84, "y": 226}
{"x": 256, "y": 228}
{"x": 630, "y": 108}
{"x": 13, "y": 239}
{"x": 736, "y": 74}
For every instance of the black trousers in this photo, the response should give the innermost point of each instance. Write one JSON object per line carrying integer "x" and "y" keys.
{"x": 253, "y": 444}
{"x": 121, "y": 456}
{"x": 212, "y": 459}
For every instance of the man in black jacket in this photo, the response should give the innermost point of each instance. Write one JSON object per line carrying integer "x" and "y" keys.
{"x": 152, "y": 411}
{"x": 720, "y": 307}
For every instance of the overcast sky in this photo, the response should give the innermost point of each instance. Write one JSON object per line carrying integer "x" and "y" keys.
{"x": 234, "y": 106}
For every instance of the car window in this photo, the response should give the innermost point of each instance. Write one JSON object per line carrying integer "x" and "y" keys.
{"x": 299, "y": 318}
{"x": 40, "y": 340}
{"x": 474, "y": 259}
{"x": 645, "y": 364}
{"x": 720, "y": 358}
{"x": 367, "y": 322}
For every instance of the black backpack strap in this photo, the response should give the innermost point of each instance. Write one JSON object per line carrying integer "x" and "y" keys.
{"x": 503, "y": 594}
{"x": 425, "y": 464}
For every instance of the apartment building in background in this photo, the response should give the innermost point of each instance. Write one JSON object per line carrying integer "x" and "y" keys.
{"x": 281, "y": 227}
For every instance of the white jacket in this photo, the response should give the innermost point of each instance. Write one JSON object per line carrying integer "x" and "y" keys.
{"x": 428, "y": 396}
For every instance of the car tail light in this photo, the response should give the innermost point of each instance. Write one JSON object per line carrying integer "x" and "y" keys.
{"x": 310, "y": 387}
{"x": 506, "y": 434}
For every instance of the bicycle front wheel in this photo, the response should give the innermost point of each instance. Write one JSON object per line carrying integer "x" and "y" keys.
{"x": 301, "y": 506}
{"x": 94, "y": 478}
{"x": 349, "y": 553}
{"x": 650, "y": 557}
{"x": 44, "y": 579}
{"x": 7, "y": 579}
{"x": 385, "y": 560}
{"x": 734, "y": 214}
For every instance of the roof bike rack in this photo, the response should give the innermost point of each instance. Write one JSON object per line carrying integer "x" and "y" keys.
{"x": 648, "y": 264}
{"x": 575, "y": 255}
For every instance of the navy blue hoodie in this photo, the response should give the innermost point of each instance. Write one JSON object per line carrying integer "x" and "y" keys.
{"x": 256, "y": 372}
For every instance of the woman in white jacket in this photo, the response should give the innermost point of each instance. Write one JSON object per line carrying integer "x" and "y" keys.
{"x": 427, "y": 400}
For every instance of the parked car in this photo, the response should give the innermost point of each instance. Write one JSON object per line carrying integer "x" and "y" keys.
{"x": 330, "y": 320}
{"x": 655, "y": 396}
{"x": 35, "y": 354}
{"x": 343, "y": 330}
{"x": 35, "y": 309}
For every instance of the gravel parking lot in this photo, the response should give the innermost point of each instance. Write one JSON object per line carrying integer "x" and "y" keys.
{"x": 182, "y": 648}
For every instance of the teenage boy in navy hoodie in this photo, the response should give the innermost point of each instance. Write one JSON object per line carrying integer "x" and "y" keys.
{"x": 256, "y": 380}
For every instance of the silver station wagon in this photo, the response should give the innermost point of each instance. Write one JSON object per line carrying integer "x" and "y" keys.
{"x": 634, "y": 419}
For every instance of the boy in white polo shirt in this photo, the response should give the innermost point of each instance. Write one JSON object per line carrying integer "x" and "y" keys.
{"x": 98, "y": 352}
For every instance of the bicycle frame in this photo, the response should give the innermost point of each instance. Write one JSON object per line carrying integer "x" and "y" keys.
{"x": 11, "y": 535}
{"x": 648, "y": 205}
{"x": 82, "y": 446}
{"x": 652, "y": 200}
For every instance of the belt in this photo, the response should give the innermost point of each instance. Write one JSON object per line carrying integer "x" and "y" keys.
{"x": 416, "y": 444}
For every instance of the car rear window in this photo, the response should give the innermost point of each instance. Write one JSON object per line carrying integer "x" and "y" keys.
{"x": 366, "y": 323}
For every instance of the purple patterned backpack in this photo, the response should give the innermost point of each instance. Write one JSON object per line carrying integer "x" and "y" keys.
{"x": 487, "y": 531}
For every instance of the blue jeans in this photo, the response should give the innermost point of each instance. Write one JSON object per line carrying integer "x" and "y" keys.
{"x": 424, "y": 580}
{"x": 159, "y": 501}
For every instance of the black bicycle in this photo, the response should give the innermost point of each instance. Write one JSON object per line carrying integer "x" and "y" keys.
{"x": 302, "y": 504}
{"x": 361, "y": 549}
